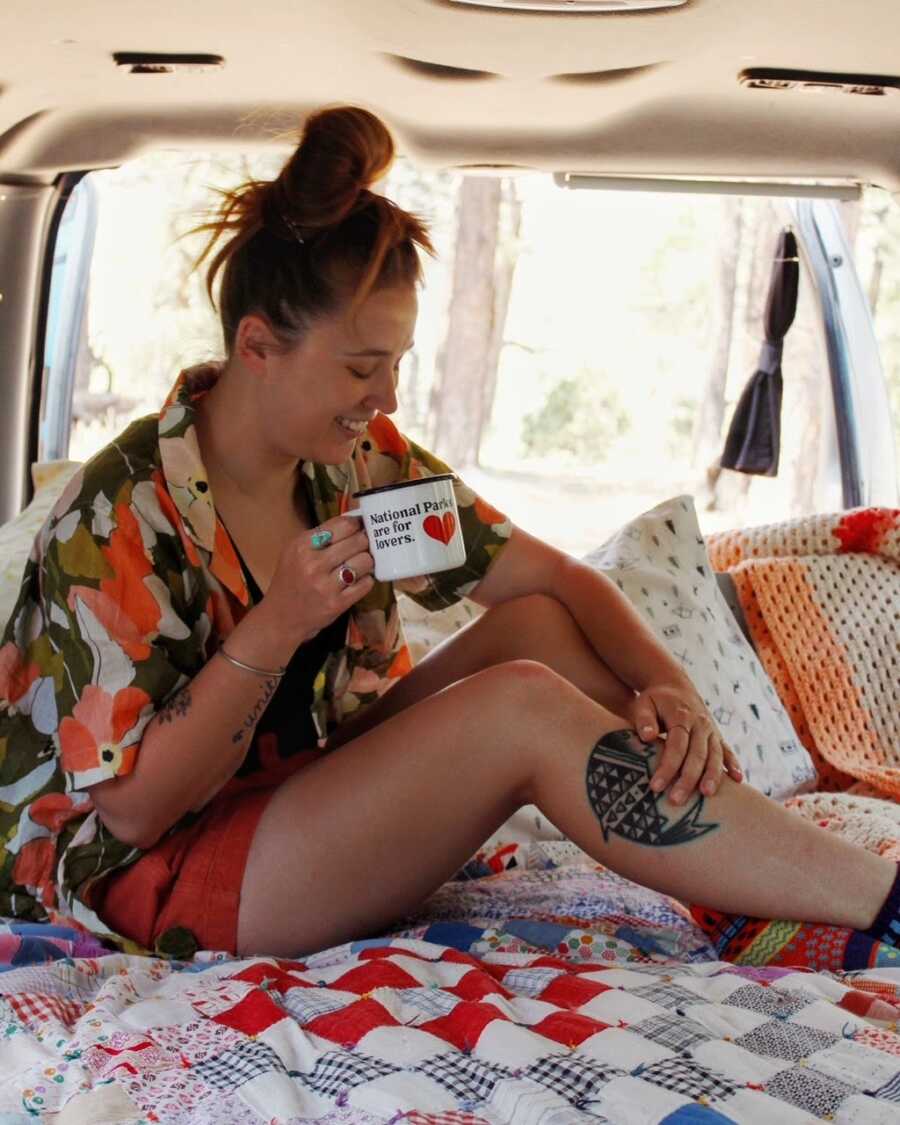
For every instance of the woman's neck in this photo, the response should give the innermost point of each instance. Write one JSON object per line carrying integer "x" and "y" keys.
{"x": 233, "y": 447}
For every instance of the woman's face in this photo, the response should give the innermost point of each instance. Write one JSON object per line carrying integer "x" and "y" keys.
{"x": 320, "y": 395}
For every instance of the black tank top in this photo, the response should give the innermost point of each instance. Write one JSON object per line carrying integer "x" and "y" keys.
{"x": 287, "y": 714}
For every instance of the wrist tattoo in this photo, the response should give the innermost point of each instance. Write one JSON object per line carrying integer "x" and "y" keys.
{"x": 176, "y": 707}
{"x": 618, "y": 787}
{"x": 248, "y": 725}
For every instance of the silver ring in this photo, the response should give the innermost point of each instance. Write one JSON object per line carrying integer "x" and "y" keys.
{"x": 346, "y": 576}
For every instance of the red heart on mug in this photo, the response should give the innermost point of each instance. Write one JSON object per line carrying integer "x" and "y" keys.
{"x": 440, "y": 528}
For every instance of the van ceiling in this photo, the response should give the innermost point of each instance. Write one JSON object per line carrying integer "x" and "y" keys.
{"x": 639, "y": 93}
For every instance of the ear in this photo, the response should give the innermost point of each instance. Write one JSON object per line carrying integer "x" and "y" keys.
{"x": 254, "y": 342}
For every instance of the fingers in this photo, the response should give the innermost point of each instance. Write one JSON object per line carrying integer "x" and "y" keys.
{"x": 698, "y": 754}
{"x": 674, "y": 750}
{"x": 362, "y": 562}
{"x": 697, "y": 762}
{"x": 348, "y": 595}
{"x": 731, "y": 763}
{"x": 333, "y": 531}
{"x": 342, "y": 549}
{"x": 363, "y": 565}
{"x": 712, "y": 774}
{"x": 645, "y": 719}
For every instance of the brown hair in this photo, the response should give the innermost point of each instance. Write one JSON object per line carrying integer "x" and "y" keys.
{"x": 299, "y": 242}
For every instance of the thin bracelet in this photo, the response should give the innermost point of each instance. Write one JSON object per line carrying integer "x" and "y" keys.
{"x": 220, "y": 651}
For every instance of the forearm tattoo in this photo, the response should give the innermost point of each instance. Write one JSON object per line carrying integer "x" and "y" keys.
{"x": 618, "y": 785}
{"x": 256, "y": 711}
{"x": 176, "y": 707}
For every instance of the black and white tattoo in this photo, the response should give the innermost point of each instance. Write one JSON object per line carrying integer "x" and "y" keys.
{"x": 257, "y": 710}
{"x": 618, "y": 784}
{"x": 176, "y": 707}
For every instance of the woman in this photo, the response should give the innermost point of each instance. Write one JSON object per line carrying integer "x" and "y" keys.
{"x": 199, "y": 630}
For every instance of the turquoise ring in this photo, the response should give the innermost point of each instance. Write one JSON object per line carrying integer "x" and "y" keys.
{"x": 321, "y": 539}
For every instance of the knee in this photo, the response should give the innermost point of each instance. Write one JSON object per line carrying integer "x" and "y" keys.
{"x": 526, "y": 685}
{"x": 536, "y": 614}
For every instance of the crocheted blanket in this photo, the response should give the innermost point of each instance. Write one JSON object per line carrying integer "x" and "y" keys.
{"x": 821, "y": 595}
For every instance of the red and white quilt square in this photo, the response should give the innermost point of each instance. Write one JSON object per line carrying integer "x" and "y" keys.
{"x": 35, "y": 1009}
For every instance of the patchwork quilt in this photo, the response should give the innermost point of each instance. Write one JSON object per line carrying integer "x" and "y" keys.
{"x": 550, "y": 993}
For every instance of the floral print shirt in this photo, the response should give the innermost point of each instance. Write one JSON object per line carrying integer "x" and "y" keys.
{"x": 131, "y": 585}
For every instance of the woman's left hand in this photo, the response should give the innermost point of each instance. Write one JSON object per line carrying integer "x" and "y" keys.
{"x": 694, "y": 750}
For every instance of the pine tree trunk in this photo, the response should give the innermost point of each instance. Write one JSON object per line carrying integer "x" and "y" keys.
{"x": 504, "y": 271}
{"x": 465, "y": 356}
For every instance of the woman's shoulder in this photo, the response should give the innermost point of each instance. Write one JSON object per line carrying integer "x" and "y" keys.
{"x": 130, "y": 457}
{"x": 117, "y": 476}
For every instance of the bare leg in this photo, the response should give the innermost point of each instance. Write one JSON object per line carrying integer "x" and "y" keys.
{"x": 364, "y": 835}
{"x": 534, "y": 627}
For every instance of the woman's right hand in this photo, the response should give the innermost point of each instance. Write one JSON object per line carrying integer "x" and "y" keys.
{"x": 305, "y": 593}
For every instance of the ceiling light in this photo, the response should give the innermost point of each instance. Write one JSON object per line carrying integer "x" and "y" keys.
{"x": 569, "y": 7}
{"x": 772, "y": 78}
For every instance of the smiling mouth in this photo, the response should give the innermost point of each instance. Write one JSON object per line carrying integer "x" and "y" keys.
{"x": 353, "y": 427}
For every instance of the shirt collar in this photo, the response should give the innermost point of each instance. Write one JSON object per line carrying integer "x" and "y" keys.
{"x": 187, "y": 480}
{"x": 329, "y": 488}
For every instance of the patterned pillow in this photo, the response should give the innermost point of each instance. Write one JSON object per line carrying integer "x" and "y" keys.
{"x": 17, "y": 536}
{"x": 659, "y": 561}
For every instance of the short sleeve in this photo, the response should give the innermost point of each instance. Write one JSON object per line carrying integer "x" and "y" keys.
{"x": 115, "y": 643}
{"x": 485, "y": 532}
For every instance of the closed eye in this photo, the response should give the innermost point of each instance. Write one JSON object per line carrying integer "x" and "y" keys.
{"x": 369, "y": 374}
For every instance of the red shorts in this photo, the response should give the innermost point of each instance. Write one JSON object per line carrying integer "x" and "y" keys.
{"x": 189, "y": 880}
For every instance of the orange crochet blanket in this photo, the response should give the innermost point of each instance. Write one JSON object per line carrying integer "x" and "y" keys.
{"x": 821, "y": 596}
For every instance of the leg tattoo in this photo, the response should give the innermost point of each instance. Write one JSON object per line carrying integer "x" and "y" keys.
{"x": 618, "y": 785}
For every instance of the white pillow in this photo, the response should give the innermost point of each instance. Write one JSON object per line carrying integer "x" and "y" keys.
{"x": 17, "y": 536}
{"x": 659, "y": 562}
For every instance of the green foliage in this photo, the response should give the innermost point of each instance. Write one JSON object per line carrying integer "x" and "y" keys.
{"x": 582, "y": 415}
{"x": 681, "y": 427}
{"x": 675, "y": 285}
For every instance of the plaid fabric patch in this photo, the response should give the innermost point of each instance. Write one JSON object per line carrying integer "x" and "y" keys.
{"x": 678, "y": 1033}
{"x": 233, "y": 1068}
{"x": 890, "y": 1091}
{"x": 573, "y": 1077}
{"x": 342, "y": 1070}
{"x": 768, "y": 1001}
{"x": 530, "y": 982}
{"x": 37, "y": 1008}
{"x": 667, "y": 995}
{"x": 304, "y": 1004}
{"x": 686, "y": 1077}
{"x": 790, "y": 1041}
{"x": 461, "y": 1075}
{"x": 809, "y": 1090}
{"x": 434, "y": 1002}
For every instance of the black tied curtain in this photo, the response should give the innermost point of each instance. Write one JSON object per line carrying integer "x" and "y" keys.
{"x": 753, "y": 442}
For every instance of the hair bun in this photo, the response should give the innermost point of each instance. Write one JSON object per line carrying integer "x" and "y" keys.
{"x": 342, "y": 152}
{"x": 323, "y": 188}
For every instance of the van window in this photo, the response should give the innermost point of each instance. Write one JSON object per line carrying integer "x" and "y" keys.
{"x": 578, "y": 355}
{"x": 877, "y": 231}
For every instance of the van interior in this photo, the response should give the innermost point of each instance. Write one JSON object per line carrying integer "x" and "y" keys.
{"x": 667, "y": 289}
